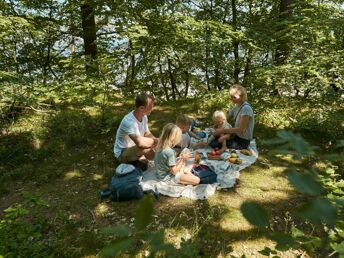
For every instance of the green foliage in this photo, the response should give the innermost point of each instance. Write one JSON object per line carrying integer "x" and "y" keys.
{"x": 22, "y": 238}
{"x": 304, "y": 183}
{"x": 321, "y": 210}
{"x": 126, "y": 237}
{"x": 255, "y": 214}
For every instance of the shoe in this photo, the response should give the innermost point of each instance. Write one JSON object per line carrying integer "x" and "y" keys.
{"x": 139, "y": 164}
{"x": 104, "y": 194}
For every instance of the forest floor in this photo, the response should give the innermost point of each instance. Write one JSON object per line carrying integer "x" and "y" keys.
{"x": 54, "y": 163}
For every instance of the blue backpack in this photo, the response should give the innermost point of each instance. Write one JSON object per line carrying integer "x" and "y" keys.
{"x": 124, "y": 187}
{"x": 206, "y": 175}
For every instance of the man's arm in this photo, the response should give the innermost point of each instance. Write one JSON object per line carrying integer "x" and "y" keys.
{"x": 143, "y": 141}
{"x": 149, "y": 135}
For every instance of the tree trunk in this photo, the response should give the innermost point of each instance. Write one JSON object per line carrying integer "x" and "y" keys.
{"x": 130, "y": 74}
{"x": 217, "y": 78}
{"x": 206, "y": 68}
{"x": 282, "y": 48}
{"x": 187, "y": 83}
{"x": 248, "y": 64}
{"x": 173, "y": 83}
{"x": 235, "y": 45}
{"x": 15, "y": 56}
{"x": 89, "y": 35}
{"x": 167, "y": 96}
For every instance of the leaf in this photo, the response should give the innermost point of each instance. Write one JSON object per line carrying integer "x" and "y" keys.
{"x": 117, "y": 246}
{"x": 118, "y": 231}
{"x": 340, "y": 144}
{"x": 319, "y": 211}
{"x": 284, "y": 241}
{"x": 144, "y": 213}
{"x": 304, "y": 183}
{"x": 338, "y": 247}
{"x": 267, "y": 251}
{"x": 255, "y": 214}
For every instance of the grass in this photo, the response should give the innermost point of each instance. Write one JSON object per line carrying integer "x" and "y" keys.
{"x": 64, "y": 157}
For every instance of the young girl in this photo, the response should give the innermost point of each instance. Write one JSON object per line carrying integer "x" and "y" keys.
{"x": 167, "y": 166}
{"x": 220, "y": 122}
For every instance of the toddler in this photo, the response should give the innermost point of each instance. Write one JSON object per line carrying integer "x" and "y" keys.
{"x": 220, "y": 121}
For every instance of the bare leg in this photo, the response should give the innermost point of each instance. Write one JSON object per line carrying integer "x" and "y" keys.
{"x": 189, "y": 179}
{"x": 148, "y": 153}
{"x": 223, "y": 140}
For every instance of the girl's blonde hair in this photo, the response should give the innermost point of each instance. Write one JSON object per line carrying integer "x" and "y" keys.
{"x": 170, "y": 136}
{"x": 237, "y": 88}
{"x": 219, "y": 114}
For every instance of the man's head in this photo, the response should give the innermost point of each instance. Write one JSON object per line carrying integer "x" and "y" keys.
{"x": 183, "y": 122}
{"x": 144, "y": 103}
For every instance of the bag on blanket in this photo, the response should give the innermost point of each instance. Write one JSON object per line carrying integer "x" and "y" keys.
{"x": 124, "y": 187}
{"x": 206, "y": 175}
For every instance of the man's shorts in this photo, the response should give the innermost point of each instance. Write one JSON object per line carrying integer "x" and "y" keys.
{"x": 130, "y": 154}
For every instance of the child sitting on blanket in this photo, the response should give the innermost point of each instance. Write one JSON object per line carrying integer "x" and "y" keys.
{"x": 166, "y": 163}
{"x": 220, "y": 122}
{"x": 184, "y": 123}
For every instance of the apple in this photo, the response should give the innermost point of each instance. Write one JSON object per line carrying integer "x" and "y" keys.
{"x": 234, "y": 155}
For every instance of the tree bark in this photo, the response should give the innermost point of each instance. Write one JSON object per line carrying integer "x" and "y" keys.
{"x": 282, "y": 48}
{"x": 187, "y": 83}
{"x": 235, "y": 45}
{"x": 248, "y": 64}
{"x": 167, "y": 96}
{"x": 173, "y": 82}
{"x": 89, "y": 35}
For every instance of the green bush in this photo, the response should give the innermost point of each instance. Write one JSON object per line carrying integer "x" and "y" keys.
{"x": 20, "y": 238}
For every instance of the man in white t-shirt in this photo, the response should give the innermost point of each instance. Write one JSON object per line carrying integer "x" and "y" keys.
{"x": 134, "y": 141}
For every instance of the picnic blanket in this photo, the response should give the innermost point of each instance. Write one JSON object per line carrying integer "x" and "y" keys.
{"x": 227, "y": 174}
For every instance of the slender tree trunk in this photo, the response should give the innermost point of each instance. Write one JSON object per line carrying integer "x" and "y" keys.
{"x": 89, "y": 35}
{"x": 217, "y": 78}
{"x": 15, "y": 56}
{"x": 187, "y": 83}
{"x": 248, "y": 64}
{"x": 249, "y": 57}
{"x": 47, "y": 59}
{"x": 130, "y": 74}
{"x": 235, "y": 45}
{"x": 282, "y": 48}
{"x": 282, "y": 45}
{"x": 173, "y": 83}
{"x": 167, "y": 96}
{"x": 207, "y": 79}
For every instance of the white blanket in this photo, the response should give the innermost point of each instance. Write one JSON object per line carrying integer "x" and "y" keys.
{"x": 227, "y": 173}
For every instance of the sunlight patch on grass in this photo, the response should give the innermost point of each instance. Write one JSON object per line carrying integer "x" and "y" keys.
{"x": 96, "y": 177}
{"x": 289, "y": 158}
{"x": 37, "y": 143}
{"x": 72, "y": 174}
{"x": 175, "y": 236}
{"x": 234, "y": 221}
{"x": 101, "y": 210}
